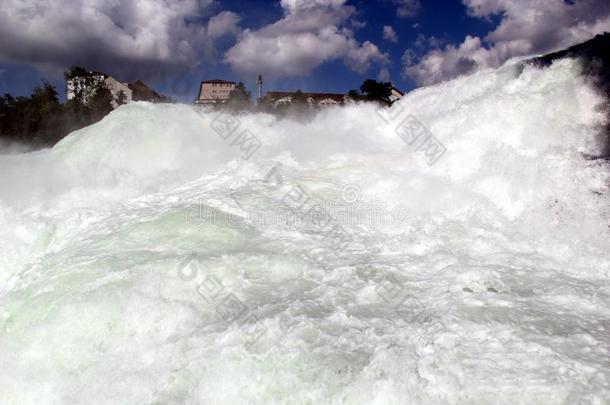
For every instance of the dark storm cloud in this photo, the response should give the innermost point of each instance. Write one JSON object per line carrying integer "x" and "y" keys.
{"x": 122, "y": 37}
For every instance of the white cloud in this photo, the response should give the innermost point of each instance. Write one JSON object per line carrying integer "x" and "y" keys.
{"x": 222, "y": 24}
{"x": 286, "y": 55}
{"x": 122, "y": 37}
{"x": 311, "y": 32}
{"x": 359, "y": 59}
{"x": 389, "y": 34}
{"x": 438, "y": 65}
{"x": 384, "y": 75}
{"x": 407, "y": 8}
{"x": 527, "y": 27}
{"x": 296, "y": 6}
{"x": 433, "y": 42}
{"x": 357, "y": 24}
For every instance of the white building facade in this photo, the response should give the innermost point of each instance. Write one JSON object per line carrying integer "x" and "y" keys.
{"x": 86, "y": 85}
{"x": 314, "y": 100}
{"x": 116, "y": 88}
{"x": 214, "y": 92}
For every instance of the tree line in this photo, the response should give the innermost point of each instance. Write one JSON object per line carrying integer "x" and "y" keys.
{"x": 41, "y": 120}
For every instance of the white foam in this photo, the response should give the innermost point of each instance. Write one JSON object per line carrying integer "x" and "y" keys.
{"x": 480, "y": 279}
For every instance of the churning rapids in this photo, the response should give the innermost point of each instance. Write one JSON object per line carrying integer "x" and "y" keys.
{"x": 145, "y": 261}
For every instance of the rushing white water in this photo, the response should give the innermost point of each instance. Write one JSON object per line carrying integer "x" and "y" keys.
{"x": 145, "y": 261}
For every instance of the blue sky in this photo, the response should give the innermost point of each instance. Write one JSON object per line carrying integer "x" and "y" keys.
{"x": 313, "y": 45}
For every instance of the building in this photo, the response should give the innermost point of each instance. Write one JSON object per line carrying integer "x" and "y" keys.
{"x": 214, "y": 92}
{"x": 84, "y": 85}
{"x": 395, "y": 94}
{"x": 116, "y": 89}
{"x": 141, "y": 92}
{"x": 276, "y": 99}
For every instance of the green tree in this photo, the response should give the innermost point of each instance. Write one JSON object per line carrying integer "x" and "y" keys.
{"x": 75, "y": 115}
{"x": 299, "y": 107}
{"x": 377, "y": 91}
{"x": 299, "y": 101}
{"x": 75, "y": 71}
{"x": 45, "y": 114}
{"x": 239, "y": 99}
{"x": 121, "y": 98}
{"x": 354, "y": 94}
{"x": 101, "y": 102}
{"x": 35, "y": 120}
{"x": 40, "y": 120}
{"x": 8, "y": 116}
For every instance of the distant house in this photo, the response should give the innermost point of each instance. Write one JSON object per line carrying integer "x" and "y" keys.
{"x": 318, "y": 100}
{"x": 85, "y": 86}
{"x": 116, "y": 88}
{"x": 214, "y": 92}
{"x": 395, "y": 94}
{"x": 141, "y": 92}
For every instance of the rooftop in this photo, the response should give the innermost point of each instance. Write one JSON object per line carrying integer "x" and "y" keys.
{"x": 281, "y": 94}
{"x": 217, "y": 81}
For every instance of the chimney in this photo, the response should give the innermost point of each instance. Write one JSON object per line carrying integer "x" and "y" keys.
{"x": 260, "y": 88}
